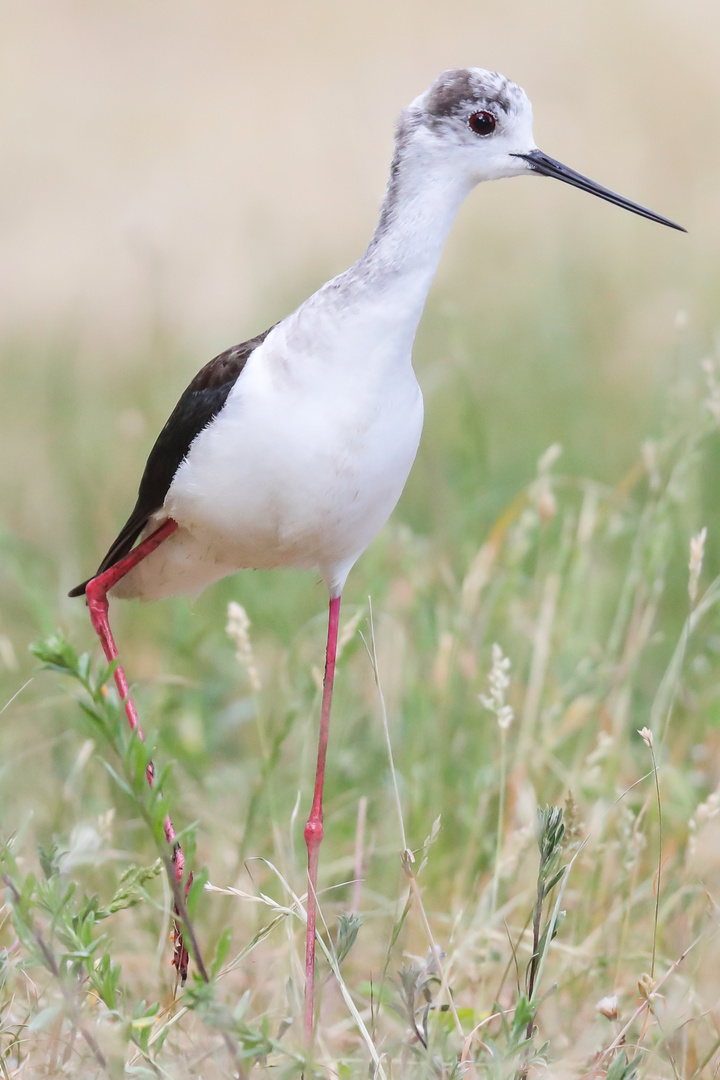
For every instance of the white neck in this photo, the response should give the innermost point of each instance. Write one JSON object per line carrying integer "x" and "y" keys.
{"x": 370, "y": 313}
{"x": 421, "y": 203}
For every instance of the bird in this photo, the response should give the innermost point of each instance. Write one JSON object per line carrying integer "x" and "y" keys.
{"x": 293, "y": 448}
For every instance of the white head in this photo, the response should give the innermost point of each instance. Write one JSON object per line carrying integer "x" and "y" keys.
{"x": 475, "y": 119}
{"x": 477, "y": 125}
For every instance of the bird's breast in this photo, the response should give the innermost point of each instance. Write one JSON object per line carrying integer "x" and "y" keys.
{"x": 301, "y": 467}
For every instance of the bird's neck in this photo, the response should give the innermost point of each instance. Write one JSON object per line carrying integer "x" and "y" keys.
{"x": 365, "y": 319}
{"x": 420, "y": 205}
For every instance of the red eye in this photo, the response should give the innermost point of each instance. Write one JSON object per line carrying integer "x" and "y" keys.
{"x": 482, "y": 123}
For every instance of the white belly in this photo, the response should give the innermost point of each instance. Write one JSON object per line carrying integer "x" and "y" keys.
{"x": 292, "y": 472}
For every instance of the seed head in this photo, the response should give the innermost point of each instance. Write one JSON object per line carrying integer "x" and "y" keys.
{"x": 238, "y": 630}
{"x": 697, "y": 551}
{"x": 608, "y": 1007}
{"x": 498, "y": 682}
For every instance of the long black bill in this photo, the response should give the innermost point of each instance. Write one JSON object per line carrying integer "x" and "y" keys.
{"x": 548, "y": 166}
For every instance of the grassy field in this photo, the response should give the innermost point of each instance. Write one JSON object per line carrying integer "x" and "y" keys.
{"x": 176, "y": 178}
{"x": 574, "y": 564}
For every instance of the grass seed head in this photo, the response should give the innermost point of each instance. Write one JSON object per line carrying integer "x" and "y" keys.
{"x": 697, "y": 551}
{"x": 608, "y": 1007}
{"x": 647, "y": 736}
{"x": 238, "y": 630}
{"x": 498, "y": 683}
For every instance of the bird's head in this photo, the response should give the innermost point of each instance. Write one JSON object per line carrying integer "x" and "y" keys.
{"x": 479, "y": 123}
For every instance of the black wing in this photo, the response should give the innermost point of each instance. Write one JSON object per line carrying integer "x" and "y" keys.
{"x": 203, "y": 400}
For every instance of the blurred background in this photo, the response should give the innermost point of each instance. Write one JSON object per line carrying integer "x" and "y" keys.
{"x": 176, "y": 177}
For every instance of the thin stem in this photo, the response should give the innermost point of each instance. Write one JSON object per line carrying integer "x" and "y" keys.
{"x": 16, "y": 694}
{"x": 359, "y": 852}
{"x": 659, "y": 870}
{"x": 372, "y": 653}
{"x": 407, "y": 857}
{"x": 535, "y": 958}
{"x": 501, "y": 816}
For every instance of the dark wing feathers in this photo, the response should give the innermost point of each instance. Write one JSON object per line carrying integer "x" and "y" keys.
{"x": 203, "y": 400}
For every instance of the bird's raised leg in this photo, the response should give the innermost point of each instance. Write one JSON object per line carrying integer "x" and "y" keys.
{"x": 96, "y": 593}
{"x": 314, "y": 827}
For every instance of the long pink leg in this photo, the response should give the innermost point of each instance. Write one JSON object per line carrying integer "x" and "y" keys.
{"x": 314, "y": 827}
{"x": 96, "y": 594}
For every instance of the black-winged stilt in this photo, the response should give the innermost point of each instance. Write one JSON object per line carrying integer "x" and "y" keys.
{"x": 293, "y": 448}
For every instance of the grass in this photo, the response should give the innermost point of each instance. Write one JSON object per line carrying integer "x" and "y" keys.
{"x": 503, "y": 849}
